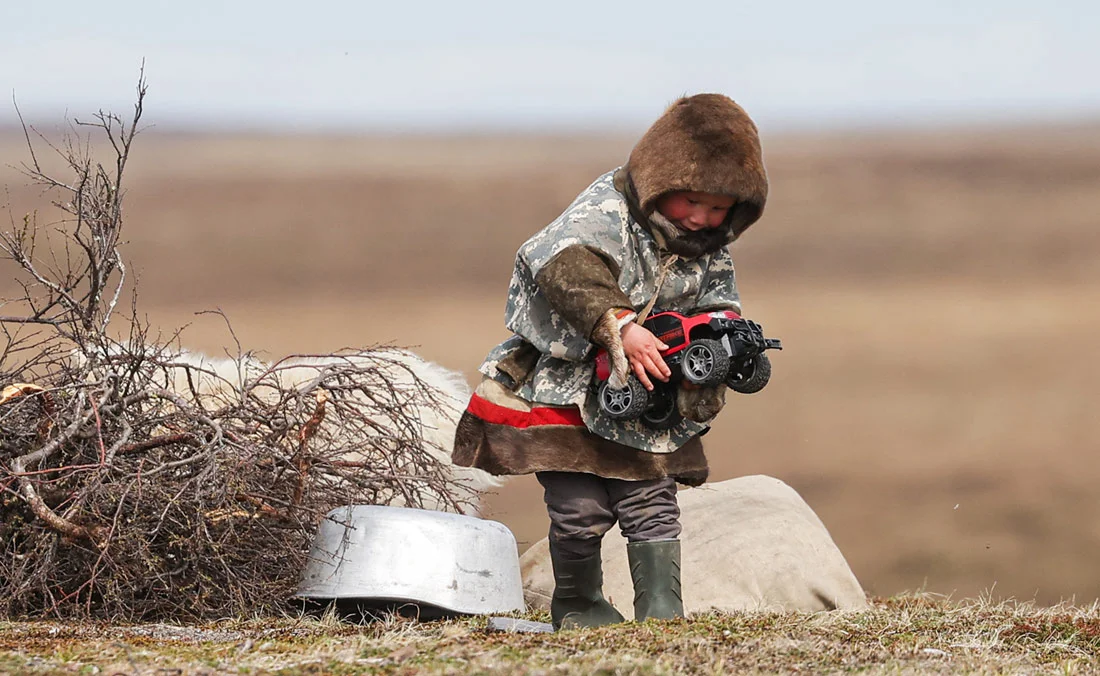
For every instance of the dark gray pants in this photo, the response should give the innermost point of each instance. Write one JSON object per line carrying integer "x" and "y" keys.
{"x": 583, "y": 507}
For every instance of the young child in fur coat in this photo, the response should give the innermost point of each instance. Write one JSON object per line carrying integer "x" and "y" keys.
{"x": 652, "y": 233}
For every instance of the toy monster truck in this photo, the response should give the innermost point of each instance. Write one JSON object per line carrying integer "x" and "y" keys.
{"x": 703, "y": 350}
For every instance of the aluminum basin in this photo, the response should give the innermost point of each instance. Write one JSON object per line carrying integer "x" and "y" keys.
{"x": 461, "y": 564}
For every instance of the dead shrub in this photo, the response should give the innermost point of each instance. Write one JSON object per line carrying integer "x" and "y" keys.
{"x": 140, "y": 483}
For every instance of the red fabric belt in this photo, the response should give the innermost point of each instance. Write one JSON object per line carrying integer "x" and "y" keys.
{"x": 537, "y": 416}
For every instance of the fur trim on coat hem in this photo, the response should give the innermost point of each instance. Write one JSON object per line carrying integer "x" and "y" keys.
{"x": 556, "y": 445}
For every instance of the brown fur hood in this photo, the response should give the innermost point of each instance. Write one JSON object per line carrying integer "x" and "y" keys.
{"x": 703, "y": 143}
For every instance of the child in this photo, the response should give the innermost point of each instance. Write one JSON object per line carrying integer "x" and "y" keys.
{"x": 652, "y": 233}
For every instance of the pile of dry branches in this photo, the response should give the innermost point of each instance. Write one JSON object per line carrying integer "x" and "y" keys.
{"x": 139, "y": 483}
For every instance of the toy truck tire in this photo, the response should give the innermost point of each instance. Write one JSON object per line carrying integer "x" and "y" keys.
{"x": 705, "y": 362}
{"x": 752, "y": 377}
{"x": 662, "y": 413}
{"x": 626, "y": 403}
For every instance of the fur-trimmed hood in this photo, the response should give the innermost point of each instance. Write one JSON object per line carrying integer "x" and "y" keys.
{"x": 702, "y": 143}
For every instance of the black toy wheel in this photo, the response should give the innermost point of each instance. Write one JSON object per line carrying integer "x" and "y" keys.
{"x": 705, "y": 362}
{"x": 751, "y": 375}
{"x": 624, "y": 403}
{"x": 662, "y": 413}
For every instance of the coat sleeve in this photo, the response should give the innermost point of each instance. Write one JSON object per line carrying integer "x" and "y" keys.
{"x": 719, "y": 288}
{"x": 581, "y": 285}
{"x": 566, "y": 275}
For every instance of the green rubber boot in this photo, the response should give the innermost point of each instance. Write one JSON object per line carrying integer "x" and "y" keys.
{"x": 655, "y": 569}
{"x": 578, "y": 594}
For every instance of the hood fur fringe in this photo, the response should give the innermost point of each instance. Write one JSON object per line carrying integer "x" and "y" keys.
{"x": 702, "y": 143}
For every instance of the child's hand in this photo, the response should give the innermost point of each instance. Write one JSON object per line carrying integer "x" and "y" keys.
{"x": 643, "y": 351}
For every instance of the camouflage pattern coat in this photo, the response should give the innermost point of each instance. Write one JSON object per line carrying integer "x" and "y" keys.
{"x": 610, "y": 255}
{"x": 563, "y": 371}
{"x": 600, "y": 219}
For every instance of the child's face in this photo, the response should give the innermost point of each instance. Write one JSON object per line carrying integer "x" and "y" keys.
{"x": 694, "y": 211}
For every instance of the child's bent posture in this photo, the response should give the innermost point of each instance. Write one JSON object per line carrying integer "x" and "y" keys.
{"x": 651, "y": 234}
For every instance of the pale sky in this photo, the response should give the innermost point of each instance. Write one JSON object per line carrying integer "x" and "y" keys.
{"x": 550, "y": 65}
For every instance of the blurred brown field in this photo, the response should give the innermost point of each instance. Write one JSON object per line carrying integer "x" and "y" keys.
{"x": 936, "y": 399}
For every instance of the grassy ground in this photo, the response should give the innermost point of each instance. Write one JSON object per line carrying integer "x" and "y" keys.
{"x": 900, "y": 634}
